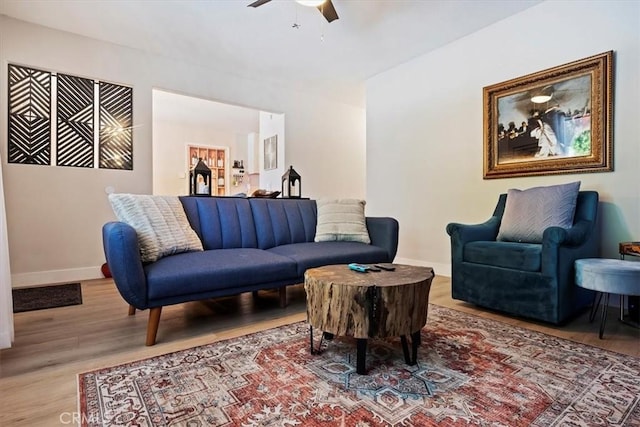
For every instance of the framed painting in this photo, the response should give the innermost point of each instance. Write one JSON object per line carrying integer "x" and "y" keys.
{"x": 271, "y": 153}
{"x": 551, "y": 122}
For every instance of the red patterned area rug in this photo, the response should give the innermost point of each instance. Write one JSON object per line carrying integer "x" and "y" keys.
{"x": 470, "y": 371}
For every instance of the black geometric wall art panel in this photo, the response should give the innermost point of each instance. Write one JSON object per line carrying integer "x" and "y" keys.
{"x": 75, "y": 121}
{"x": 29, "y": 120}
{"x": 116, "y": 126}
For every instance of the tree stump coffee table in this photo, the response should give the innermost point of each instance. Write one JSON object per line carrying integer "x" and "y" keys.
{"x": 369, "y": 305}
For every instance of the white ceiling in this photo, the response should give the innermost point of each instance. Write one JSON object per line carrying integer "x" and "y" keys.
{"x": 371, "y": 36}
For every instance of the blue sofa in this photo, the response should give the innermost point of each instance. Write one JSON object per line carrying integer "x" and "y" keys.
{"x": 249, "y": 245}
{"x": 525, "y": 279}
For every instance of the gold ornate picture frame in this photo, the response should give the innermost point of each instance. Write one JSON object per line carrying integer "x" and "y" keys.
{"x": 554, "y": 121}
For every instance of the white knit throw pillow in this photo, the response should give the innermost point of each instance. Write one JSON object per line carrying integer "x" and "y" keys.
{"x": 160, "y": 222}
{"x": 341, "y": 219}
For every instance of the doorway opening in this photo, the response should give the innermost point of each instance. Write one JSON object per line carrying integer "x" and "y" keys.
{"x": 181, "y": 122}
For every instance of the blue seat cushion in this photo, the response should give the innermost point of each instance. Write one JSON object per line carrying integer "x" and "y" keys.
{"x": 514, "y": 255}
{"x": 612, "y": 276}
{"x": 217, "y": 269}
{"x": 317, "y": 254}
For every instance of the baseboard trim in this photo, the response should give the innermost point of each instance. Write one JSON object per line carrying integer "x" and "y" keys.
{"x": 23, "y": 280}
{"x": 439, "y": 269}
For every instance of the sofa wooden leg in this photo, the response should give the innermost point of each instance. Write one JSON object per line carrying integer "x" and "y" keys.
{"x": 283, "y": 296}
{"x": 152, "y": 326}
{"x": 132, "y": 310}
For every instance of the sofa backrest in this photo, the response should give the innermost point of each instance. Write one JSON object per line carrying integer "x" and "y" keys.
{"x": 283, "y": 221}
{"x": 221, "y": 222}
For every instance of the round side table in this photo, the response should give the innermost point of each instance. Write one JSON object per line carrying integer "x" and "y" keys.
{"x": 607, "y": 276}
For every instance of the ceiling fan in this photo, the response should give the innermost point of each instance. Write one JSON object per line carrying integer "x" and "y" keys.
{"x": 324, "y": 6}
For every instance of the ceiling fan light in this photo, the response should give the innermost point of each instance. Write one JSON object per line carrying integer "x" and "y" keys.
{"x": 311, "y": 3}
{"x": 540, "y": 99}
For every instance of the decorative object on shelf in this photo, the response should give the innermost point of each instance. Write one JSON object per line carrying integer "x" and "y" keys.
{"x": 265, "y": 194}
{"x": 554, "y": 121}
{"x": 238, "y": 176}
{"x": 271, "y": 153}
{"x": 200, "y": 180}
{"x": 291, "y": 184}
{"x": 215, "y": 158}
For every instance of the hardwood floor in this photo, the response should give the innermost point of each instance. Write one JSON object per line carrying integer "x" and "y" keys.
{"x": 38, "y": 375}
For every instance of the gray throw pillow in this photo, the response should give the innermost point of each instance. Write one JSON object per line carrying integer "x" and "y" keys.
{"x": 160, "y": 222}
{"x": 529, "y": 212}
{"x": 341, "y": 219}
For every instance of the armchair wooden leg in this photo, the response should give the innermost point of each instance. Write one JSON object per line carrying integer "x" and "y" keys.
{"x": 152, "y": 326}
{"x": 132, "y": 310}
{"x": 283, "y": 296}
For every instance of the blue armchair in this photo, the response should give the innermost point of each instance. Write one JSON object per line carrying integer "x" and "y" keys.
{"x": 525, "y": 279}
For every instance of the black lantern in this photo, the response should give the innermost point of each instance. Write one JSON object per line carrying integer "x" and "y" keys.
{"x": 289, "y": 188}
{"x": 200, "y": 180}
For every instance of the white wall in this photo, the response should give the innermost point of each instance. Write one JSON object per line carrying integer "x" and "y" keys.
{"x": 424, "y": 123}
{"x": 55, "y": 215}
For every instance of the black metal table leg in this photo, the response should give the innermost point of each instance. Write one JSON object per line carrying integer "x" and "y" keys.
{"x": 361, "y": 354}
{"x": 594, "y": 306}
{"x": 603, "y": 320}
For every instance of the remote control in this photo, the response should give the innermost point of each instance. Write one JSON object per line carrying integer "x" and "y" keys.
{"x": 385, "y": 267}
{"x": 358, "y": 267}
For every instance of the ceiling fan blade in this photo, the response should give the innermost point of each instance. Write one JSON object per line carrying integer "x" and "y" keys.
{"x": 258, "y": 3}
{"x": 328, "y": 11}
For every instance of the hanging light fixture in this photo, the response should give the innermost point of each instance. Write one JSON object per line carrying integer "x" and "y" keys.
{"x": 542, "y": 96}
{"x": 540, "y": 99}
{"x": 311, "y": 3}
